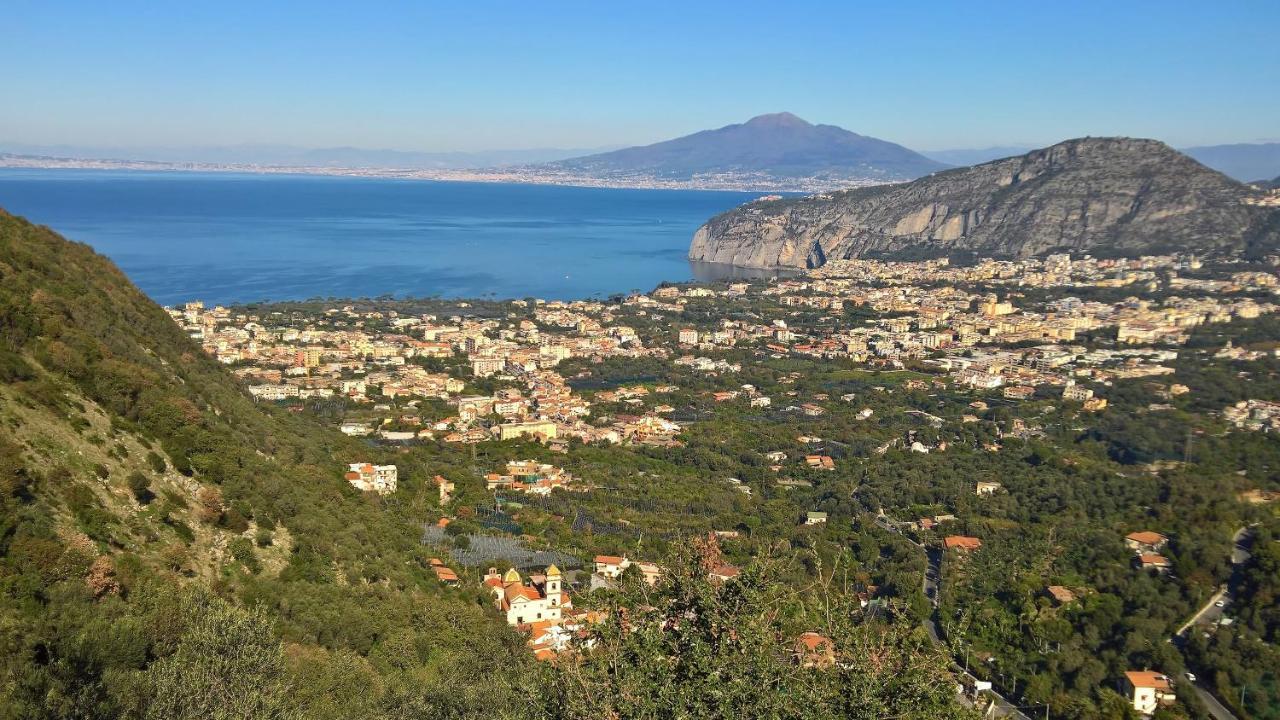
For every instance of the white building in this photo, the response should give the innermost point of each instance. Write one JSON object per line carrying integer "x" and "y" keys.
{"x": 1148, "y": 690}
{"x": 541, "y": 599}
{"x": 372, "y": 478}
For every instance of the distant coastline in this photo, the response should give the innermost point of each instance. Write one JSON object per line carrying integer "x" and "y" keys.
{"x": 531, "y": 175}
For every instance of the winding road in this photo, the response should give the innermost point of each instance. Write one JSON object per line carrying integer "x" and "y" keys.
{"x": 932, "y": 577}
{"x": 1211, "y": 613}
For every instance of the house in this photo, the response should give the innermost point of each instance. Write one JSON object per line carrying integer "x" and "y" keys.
{"x": 820, "y": 462}
{"x": 723, "y": 573}
{"x": 649, "y": 572}
{"x": 1094, "y": 404}
{"x": 1145, "y": 541}
{"x": 372, "y": 478}
{"x": 541, "y": 599}
{"x": 1060, "y": 594}
{"x": 1152, "y": 561}
{"x": 445, "y": 575}
{"x": 813, "y": 650}
{"x": 611, "y": 566}
{"x": 446, "y": 488}
{"x": 815, "y": 518}
{"x": 688, "y": 336}
{"x": 987, "y": 488}
{"x": 1076, "y": 393}
{"x": 1019, "y": 392}
{"x": 486, "y": 366}
{"x": 961, "y": 542}
{"x": 1147, "y": 690}
{"x": 542, "y": 430}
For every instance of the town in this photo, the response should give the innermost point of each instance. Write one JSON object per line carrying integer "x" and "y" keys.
{"x": 799, "y": 382}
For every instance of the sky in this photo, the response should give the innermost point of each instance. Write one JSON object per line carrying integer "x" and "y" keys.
{"x": 476, "y": 75}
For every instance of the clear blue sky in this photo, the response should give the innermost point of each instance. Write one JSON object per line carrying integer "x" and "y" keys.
{"x": 481, "y": 75}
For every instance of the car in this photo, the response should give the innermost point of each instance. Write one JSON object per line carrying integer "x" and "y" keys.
{"x": 1220, "y": 604}
{"x": 1191, "y": 677}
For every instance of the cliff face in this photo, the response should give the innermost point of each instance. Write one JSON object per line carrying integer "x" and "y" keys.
{"x": 1106, "y": 196}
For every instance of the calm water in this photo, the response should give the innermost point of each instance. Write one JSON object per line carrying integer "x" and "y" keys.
{"x": 230, "y": 238}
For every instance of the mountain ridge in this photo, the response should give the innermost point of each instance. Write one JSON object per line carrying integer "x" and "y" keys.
{"x": 1115, "y": 196}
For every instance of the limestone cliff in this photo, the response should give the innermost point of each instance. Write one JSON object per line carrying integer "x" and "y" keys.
{"x": 1105, "y": 196}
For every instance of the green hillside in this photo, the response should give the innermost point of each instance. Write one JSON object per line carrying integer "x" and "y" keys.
{"x": 143, "y": 496}
{"x": 170, "y": 549}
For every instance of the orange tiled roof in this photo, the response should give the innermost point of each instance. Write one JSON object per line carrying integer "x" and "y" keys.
{"x": 1147, "y": 679}
{"x": 961, "y": 542}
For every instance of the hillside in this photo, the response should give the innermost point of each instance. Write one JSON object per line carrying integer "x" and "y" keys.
{"x": 779, "y": 145}
{"x": 145, "y": 500}
{"x": 1107, "y": 196}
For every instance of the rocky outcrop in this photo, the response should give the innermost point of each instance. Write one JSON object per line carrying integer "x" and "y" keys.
{"x": 1105, "y": 196}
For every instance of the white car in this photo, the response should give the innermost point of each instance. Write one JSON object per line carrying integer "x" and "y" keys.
{"x": 1191, "y": 677}
{"x": 1220, "y": 604}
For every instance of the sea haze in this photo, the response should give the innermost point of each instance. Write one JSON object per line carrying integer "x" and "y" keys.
{"x": 228, "y": 238}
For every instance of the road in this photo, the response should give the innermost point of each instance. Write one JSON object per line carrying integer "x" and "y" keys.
{"x": 1208, "y": 614}
{"x": 1216, "y": 709}
{"x": 1211, "y": 613}
{"x": 932, "y": 578}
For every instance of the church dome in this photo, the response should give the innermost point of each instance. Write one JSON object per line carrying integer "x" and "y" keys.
{"x": 511, "y": 577}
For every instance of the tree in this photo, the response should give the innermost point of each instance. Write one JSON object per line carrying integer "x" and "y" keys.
{"x": 140, "y": 486}
{"x": 698, "y": 648}
{"x": 210, "y": 505}
{"x": 228, "y": 665}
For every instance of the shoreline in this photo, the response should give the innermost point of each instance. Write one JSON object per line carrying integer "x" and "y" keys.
{"x": 504, "y": 176}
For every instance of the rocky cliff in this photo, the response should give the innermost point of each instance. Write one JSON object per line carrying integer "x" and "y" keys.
{"x": 1105, "y": 196}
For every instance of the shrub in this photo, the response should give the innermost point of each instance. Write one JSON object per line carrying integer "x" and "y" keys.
{"x": 140, "y": 486}
{"x": 242, "y": 550}
{"x": 157, "y": 463}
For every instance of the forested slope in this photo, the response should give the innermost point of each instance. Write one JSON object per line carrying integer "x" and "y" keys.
{"x": 144, "y": 496}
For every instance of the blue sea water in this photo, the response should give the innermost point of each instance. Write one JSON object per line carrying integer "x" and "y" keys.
{"x": 227, "y": 238}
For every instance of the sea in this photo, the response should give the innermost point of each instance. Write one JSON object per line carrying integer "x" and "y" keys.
{"x": 230, "y": 238}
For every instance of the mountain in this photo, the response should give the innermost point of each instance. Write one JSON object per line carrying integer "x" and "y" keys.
{"x": 1107, "y": 196}
{"x": 779, "y": 145}
{"x": 293, "y": 156}
{"x": 973, "y": 156}
{"x": 1244, "y": 161}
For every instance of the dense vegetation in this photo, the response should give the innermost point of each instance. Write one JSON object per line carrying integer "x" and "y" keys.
{"x": 105, "y": 600}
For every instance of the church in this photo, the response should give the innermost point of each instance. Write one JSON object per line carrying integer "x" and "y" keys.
{"x": 541, "y": 599}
